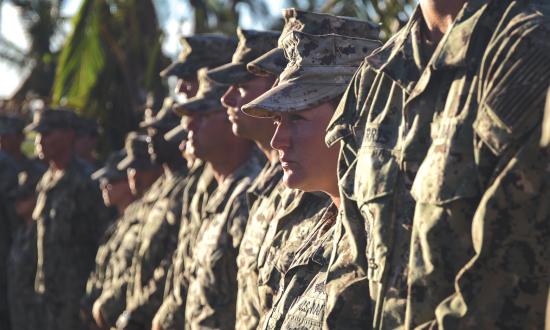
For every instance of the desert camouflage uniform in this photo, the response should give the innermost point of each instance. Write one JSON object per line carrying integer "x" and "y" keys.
{"x": 201, "y": 183}
{"x": 295, "y": 219}
{"x": 212, "y": 291}
{"x": 157, "y": 242}
{"x": 23, "y": 259}
{"x": 432, "y": 146}
{"x": 375, "y": 187}
{"x": 262, "y": 205}
{"x": 70, "y": 219}
{"x": 263, "y": 200}
{"x": 113, "y": 296}
{"x": 319, "y": 70}
{"x": 113, "y": 241}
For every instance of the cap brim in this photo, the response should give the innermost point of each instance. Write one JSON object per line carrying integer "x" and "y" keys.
{"x": 36, "y": 128}
{"x": 230, "y": 74}
{"x": 292, "y": 96}
{"x": 178, "y": 133}
{"x": 107, "y": 173}
{"x": 198, "y": 104}
{"x": 271, "y": 63}
{"x": 183, "y": 70}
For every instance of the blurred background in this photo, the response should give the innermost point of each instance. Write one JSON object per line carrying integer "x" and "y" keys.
{"x": 103, "y": 57}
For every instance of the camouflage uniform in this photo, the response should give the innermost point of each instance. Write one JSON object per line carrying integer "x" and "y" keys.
{"x": 261, "y": 195}
{"x": 22, "y": 261}
{"x": 320, "y": 67}
{"x": 108, "y": 283}
{"x": 297, "y": 215}
{"x": 113, "y": 296}
{"x": 457, "y": 182}
{"x": 212, "y": 291}
{"x": 171, "y": 314}
{"x": 112, "y": 255}
{"x": 70, "y": 218}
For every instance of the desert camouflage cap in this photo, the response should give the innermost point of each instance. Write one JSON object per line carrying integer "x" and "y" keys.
{"x": 207, "y": 98}
{"x": 201, "y": 50}
{"x": 274, "y": 61}
{"x": 320, "y": 68}
{"x": 51, "y": 118}
{"x": 137, "y": 153}
{"x": 178, "y": 133}
{"x": 252, "y": 43}
{"x": 11, "y": 124}
{"x": 545, "y": 140}
{"x": 164, "y": 120}
{"x": 110, "y": 171}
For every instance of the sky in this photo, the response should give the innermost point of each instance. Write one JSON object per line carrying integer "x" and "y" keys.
{"x": 11, "y": 29}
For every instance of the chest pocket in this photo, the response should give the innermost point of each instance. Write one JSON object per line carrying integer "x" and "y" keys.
{"x": 448, "y": 173}
{"x": 375, "y": 180}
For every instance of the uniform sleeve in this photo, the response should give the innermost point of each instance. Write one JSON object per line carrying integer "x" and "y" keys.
{"x": 152, "y": 293}
{"x": 504, "y": 286}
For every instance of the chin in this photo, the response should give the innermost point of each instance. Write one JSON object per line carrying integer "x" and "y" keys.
{"x": 293, "y": 180}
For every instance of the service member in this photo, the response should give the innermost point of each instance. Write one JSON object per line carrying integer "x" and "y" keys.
{"x": 235, "y": 163}
{"x": 261, "y": 196}
{"x": 71, "y": 218}
{"x": 22, "y": 258}
{"x": 446, "y": 152}
{"x": 319, "y": 69}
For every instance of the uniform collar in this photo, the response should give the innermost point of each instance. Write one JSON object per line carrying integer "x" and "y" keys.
{"x": 400, "y": 58}
{"x": 456, "y": 46}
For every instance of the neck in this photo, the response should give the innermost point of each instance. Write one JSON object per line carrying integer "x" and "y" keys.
{"x": 227, "y": 164}
{"x": 438, "y": 16}
{"x": 61, "y": 162}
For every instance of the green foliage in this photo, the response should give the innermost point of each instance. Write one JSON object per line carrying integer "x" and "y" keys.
{"x": 82, "y": 59}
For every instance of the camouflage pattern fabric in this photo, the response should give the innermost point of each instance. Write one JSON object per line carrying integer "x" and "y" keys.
{"x": 113, "y": 295}
{"x": 301, "y": 299}
{"x": 484, "y": 177}
{"x": 21, "y": 274}
{"x": 157, "y": 242}
{"x": 263, "y": 201}
{"x": 108, "y": 254}
{"x": 297, "y": 216}
{"x": 446, "y": 203}
{"x": 201, "y": 183}
{"x": 70, "y": 218}
{"x": 212, "y": 291}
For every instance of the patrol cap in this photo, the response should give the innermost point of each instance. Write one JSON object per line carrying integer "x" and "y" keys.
{"x": 207, "y": 98}
{"x": 545, "y": 140}
{"x": 86, "y": 126}
{"x": 50, "y": 119}
{"x": 26, "y": 183}
{"x": 252, "y": 43}
{"x": 11, "y": 124}
{"x": 274, "y": 61}
{"x": 320, "y": 69}
{"x": 164, "y": 120}
{"x": 201, "y": 50}
{"x": 137, "y": 153}
{"x": 110, "y": 171}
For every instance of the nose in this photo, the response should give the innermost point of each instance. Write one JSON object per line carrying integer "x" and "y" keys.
{"x": 230, "y": 98}
{"x": 281, "y": 137}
